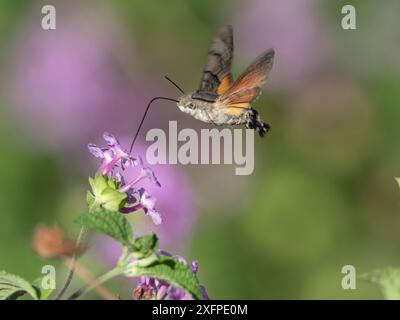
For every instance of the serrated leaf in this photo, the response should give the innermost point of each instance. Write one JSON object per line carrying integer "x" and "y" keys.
{"x": 12, "y": 287}
{"x": 111, "y": 223}
{"x": 173, "y": 271}
{"x": 387, "y": 279}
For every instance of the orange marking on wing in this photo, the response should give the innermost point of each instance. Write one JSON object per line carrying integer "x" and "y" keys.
{"x": 237, "y": 109}
{"x": 246, "y": 83}
{"x": 225, "y": 84}
{"x": 244, "y": 96}
{"x": 248, "y": 86}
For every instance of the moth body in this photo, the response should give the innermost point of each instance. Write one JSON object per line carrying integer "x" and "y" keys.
{"x": 209, "y": 112}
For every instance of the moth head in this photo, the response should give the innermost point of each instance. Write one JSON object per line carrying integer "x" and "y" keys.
{"x": 187, "y": 104}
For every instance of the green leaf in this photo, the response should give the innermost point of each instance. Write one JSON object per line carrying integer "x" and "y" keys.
{"x": 387, "y": 279}
{"x": 104, "y": 194}
{"x": 145, "y": 246}
{"x": 112, "y": 183}
{"x": 43, "y": 294}
{"x": 12, "y": 287}
{"x": 398, "y": 181}
{"x": 111, "y": 223}
{"x": 171, "y": 270}
{"x": 98, "y": 184}
{"x": 90, "y": 199}
{"x": 111, "y": 199}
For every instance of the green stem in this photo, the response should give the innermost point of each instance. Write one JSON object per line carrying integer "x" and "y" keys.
{"x": 71, "y": 270}
{"x": 105, "y": 277}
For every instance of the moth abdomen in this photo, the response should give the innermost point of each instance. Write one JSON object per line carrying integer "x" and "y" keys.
{"x": 254, "y": 122}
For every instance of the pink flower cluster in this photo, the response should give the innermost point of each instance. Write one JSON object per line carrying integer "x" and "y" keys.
{"x": 114, "y": 161}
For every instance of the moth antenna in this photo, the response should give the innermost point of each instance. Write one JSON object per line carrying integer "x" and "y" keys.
{"x": 144, "y": 116}
{"x": 176, "y": 86}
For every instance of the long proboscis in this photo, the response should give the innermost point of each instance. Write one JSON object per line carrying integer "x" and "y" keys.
{"x": 144, "y": 116}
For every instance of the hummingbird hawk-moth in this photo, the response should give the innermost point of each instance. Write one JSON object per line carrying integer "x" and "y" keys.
{"x": 221, "y": 100}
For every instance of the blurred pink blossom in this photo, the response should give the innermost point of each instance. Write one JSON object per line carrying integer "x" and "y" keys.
{"x": 292, "y": 28}
{"x": 68, "y": 84}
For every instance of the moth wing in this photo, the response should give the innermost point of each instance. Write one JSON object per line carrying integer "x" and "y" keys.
{"x": 217, "y": 76}
{"x": 239, "y": 102}
{"x": 248, "y": 86}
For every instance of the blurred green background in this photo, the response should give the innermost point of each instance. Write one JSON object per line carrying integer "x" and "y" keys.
{"x": 322, "y": 194}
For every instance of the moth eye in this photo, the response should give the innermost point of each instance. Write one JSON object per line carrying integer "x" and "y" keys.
{"x": 191, "y": 106}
